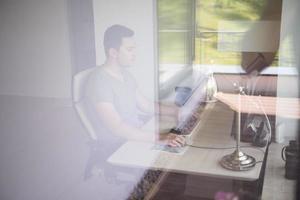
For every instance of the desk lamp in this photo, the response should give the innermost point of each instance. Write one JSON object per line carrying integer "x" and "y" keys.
{"x": 238, "y": 161}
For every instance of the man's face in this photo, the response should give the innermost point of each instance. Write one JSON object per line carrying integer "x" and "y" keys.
{"x": 126, "y": 53}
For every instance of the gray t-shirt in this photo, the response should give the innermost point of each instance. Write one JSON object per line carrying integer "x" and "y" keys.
{"x": 102, "y": 87}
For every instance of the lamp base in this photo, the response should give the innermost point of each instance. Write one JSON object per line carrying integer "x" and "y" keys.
{"x": 238, "y": 161}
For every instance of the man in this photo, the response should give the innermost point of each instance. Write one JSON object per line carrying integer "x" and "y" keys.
{"x": 113, "y": 93}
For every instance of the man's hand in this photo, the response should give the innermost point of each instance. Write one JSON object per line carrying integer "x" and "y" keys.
{"x": 174, "y": 140}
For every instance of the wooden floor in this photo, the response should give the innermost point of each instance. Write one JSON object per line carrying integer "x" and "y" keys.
{"x": 173, "y": 187}
{"x": 187, "y": 187}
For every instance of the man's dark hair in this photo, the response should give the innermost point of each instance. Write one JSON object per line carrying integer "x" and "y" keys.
{"x": 113, "y": 36}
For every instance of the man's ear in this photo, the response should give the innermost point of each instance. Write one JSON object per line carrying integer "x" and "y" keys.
{"x": 113, "y": 52}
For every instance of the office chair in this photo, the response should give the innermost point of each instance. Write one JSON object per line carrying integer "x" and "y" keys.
{"x": 78, "y": 92}
{"x": 94, "y": 141}
{"x": 79, "y": 81}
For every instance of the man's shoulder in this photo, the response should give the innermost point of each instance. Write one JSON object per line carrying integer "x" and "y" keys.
{"x": 95, "y": 79}
{"x": 98, "y": 70}
{"x": 96, "y": 74}
{"x": 96, "y": 82}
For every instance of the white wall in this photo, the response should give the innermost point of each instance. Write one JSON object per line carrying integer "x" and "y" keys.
{"x": 34, "y": 48}
{"x": 139, "y": 16}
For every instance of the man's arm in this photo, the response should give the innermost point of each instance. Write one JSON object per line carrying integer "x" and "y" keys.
{"x": 145, "y": 105}
{"x": 111, "y": 118}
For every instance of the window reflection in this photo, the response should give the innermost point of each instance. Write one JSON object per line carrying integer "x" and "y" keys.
{"x": 225, "y": 21}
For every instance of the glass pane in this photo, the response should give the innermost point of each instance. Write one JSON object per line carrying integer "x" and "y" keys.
{"x": 173, "y": 14}
{"x": 213, "y": 13}
{"x": 175, "y": 38}
{"x": 172, "y": 47}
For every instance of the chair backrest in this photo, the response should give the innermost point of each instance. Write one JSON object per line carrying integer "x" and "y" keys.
{"x": 78, "y": 84}
{"x": 79, "y": 81}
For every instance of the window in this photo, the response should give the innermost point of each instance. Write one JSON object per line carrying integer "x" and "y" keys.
{"x": 175, "y": 41}
{"x": 222, "y": 24}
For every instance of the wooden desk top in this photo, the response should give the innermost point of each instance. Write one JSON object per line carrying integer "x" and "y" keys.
{"x": 284, "y": 107}
{"x": 212, "y": 130}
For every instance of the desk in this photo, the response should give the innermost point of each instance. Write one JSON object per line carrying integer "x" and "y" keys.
{"x": 279, "y": 106}
{"x": 213, "y": 129}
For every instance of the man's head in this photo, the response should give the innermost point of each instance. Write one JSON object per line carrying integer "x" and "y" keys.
{"x": 119, "y": 44}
